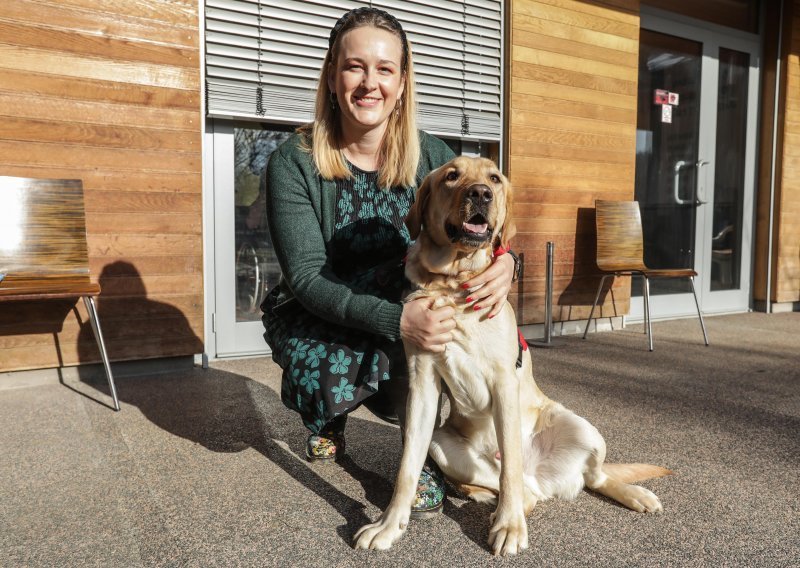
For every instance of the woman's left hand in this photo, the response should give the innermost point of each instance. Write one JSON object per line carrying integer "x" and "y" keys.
{"x": 496, "y": 282}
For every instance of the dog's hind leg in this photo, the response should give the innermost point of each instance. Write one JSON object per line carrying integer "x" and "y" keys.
{"x": 601, "y": 480}
{"x": 466, "y": 468}
{"x": 474, "y": 474}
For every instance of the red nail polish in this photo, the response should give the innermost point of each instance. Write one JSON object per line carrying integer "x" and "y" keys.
{"x": 491, "y": 316}
{"x": 464, "y": 286}
{"x": 469, "y": 300}
{"x": 476, "y": 308}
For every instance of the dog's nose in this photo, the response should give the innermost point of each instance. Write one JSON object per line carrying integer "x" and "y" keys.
{"x": 481, "y": 194}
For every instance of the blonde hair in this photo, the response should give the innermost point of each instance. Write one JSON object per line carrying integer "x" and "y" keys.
{"x": 398, "y": 156}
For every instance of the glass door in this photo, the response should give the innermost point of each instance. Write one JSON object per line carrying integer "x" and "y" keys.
{"x": 244, "y": 262}
{"x": 695, "y": 163}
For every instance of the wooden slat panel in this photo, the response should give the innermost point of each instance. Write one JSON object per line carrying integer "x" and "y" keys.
{"x": 53, "y": 88}
{"x": 579, "y": 109}
{"x": 549, "y": 181}
{"x": 36, "y": 13}
{"x": 69, "y": 334}
{"x": 551, "y": 76}
{"x": 131, "y": 246}
{"x": 45, "y": 317}
{"x": 572, "y": 136}
{"x": 131, "y": 187}
{"x": 540, "y": 118}
{"x": 93, "y": 46}
{"x": 175, "y": 12}
{"x": 525, "y": 38}
{"x": 594, "y": 97}
{"x": 27, "y": 130}
{"x": 574, "y": 167}
{"x": 37, "y": 154}
{"x": 143, "y": 201}
{"x": 59, "y": 354}
{"x": 566, "y": 15}
{"x": 558, "y": 61}
{"x": 60, "y": 63}
{"x": 108, "y": 91}
{"x": 786, "y": 259}
{"x": 96, "y": 112}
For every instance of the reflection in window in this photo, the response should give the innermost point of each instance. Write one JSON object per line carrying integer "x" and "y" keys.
{"x": 726, "y": 234}
{"x": 256, "y": 266}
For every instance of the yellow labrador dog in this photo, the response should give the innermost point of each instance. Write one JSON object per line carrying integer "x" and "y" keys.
{"x": 462, "y": 212}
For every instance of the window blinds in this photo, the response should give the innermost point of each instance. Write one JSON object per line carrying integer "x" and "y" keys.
{"x": 263, "y": 59}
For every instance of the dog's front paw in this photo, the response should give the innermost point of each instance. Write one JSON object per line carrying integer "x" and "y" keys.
{"x": 382, "y": 534}
{"x": 509, "y": 532}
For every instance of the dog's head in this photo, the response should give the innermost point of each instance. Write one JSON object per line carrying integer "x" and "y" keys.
{"x": 465, "y": 204}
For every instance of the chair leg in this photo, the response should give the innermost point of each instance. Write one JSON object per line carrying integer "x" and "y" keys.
{"x": 648, "y": 323}
{"x": 699, "y": 313}
{"x": 596, "y": 299}
{"x": 98, "y": 334}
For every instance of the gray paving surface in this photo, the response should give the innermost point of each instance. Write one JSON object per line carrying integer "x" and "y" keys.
{"x": 205, "y": 468}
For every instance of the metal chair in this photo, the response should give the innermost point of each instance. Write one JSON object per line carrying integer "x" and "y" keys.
{"x": 43, "y": 250}
{"x": 620, "y": 252}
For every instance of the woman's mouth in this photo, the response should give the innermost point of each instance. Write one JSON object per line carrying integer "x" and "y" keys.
{"x": 367, "y": 102}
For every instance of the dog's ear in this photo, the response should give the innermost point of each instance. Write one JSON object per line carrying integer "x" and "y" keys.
{"x": 509, "y": 228}
{"x": 417, "y": 212}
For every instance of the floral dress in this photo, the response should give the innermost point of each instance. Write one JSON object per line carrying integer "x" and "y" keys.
{"x": 329, "y": 369}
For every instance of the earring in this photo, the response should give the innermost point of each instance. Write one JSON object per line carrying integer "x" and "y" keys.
{"x": 332, "y": 98}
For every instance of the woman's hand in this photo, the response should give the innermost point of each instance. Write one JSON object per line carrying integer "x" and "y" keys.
{"x": 496, "y": 282}
{"x": 425, "y": 327}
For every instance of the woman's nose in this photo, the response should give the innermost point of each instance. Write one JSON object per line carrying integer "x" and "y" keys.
{"x": 369, "y": 81}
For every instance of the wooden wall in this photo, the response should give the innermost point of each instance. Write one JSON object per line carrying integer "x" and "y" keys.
{"x": 785, "y": 266}
{"x": 572, "y": 139}
{"x": 108, "y": 91}
{"x": 786, "y": 275}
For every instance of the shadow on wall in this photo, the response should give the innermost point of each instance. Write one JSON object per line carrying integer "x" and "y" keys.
{"x": 134, "y": 327}
{"x": 581, "y": 290}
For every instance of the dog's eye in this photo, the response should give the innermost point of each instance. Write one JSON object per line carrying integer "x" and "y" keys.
{"x": 452, "y": 175}
{"x": 495, "y": 178}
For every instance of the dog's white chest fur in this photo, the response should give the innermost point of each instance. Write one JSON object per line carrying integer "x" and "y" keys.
{"x": 471, "y": 369}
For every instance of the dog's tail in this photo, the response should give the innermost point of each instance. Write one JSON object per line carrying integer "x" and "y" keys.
{"x": 630, "y": 472}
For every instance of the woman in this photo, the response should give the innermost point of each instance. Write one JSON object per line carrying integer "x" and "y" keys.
{"x": 338, "y": 192}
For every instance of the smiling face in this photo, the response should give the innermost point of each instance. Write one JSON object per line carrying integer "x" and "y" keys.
{"x": 466, "y": 203}
{"x": 367, "y": 78}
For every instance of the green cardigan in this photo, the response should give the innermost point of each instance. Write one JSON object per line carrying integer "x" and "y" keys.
{"x": 301, "y": 213}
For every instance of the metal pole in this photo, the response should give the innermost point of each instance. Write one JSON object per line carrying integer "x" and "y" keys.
{"x": 548, "y": 301}
{"x": 547, "y": 341}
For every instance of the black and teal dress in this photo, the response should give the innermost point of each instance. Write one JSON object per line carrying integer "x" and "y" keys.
{"x": 330, "y": 369}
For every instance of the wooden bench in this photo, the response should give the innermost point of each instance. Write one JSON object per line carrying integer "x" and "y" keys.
{"x": 43, "y": 251}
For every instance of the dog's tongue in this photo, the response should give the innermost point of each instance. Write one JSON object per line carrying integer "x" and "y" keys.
{"x": 475, "y": 228}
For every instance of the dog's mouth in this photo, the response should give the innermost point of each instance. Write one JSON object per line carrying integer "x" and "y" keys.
{"x": 475, "y": 231}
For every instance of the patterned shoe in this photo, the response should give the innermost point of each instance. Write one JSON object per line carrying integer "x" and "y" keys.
{"x": 328, "y": 444}
{"x": 430, "y": 492}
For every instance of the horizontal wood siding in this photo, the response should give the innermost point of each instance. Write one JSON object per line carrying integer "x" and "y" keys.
{"x": 571, "y": 140}
{"x": 108, "y": 91}
{"x": 787, "y": 246}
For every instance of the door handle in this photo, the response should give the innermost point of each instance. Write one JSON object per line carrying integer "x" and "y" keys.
{"x": 701, "y": 192}
{"x": 676, "y": 183}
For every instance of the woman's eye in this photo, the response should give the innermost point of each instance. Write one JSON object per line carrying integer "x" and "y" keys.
{"x": 452, "y": 176}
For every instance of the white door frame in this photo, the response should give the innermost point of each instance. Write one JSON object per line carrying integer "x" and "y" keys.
{"x": 230, "y": 338}
{"x": 712, "y": 37}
